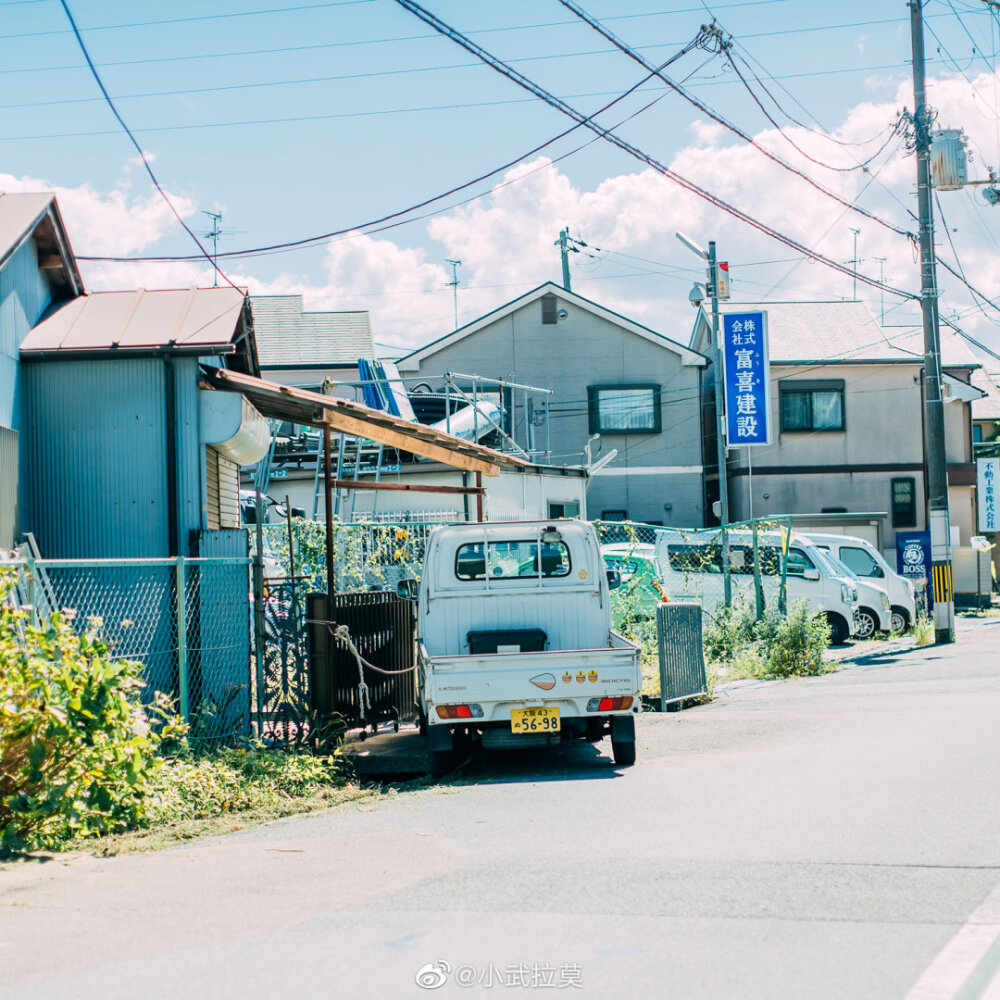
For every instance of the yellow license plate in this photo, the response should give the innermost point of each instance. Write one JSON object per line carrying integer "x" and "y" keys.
{"x": 534, "y": 720}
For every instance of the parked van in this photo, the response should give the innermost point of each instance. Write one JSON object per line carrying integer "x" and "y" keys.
{"x": 873, "y": 614}
{"x": 869, "y": 564}
{"x": 691, "y": 564}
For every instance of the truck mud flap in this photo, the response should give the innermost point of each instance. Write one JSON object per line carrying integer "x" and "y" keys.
{"x": 439, "y": 738}
{"x": 623, "y": 728}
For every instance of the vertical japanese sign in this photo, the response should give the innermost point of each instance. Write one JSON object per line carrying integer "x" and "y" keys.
{"x": 987, "y": 483}
{"x": 747, "y": 378}
{"x": 913, "y": 558}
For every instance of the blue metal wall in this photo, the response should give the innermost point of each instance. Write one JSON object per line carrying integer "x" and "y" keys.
{"x": 96, "y": 486}
{"x": 24, "y": 296}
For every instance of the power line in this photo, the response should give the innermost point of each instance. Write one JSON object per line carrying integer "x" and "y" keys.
{"x": 735, "y": 129}
{"x": 522, "y": 81}
{"x": 312, "y": 240}
{"x": 199, "y": 17}
{"x": 135, "y": 143}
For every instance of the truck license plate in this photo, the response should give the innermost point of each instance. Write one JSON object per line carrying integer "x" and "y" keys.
{"x": 534, "y": 720}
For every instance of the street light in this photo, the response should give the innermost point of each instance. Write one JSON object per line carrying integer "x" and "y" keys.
{"x": 720, "y": 441}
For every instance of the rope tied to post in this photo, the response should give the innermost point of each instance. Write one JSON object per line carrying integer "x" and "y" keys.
{"x": 343, "y": 635}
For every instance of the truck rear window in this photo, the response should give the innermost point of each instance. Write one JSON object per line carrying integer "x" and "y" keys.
{"x": 511, "y": 560}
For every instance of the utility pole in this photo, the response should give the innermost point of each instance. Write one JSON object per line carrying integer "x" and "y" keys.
{"x": 720, "y": 427}
{"x": 453, "y": 284}
{"x": 934, "y": 444}
{"x": 563, "y": 244}
{"x": 855, "y": 261}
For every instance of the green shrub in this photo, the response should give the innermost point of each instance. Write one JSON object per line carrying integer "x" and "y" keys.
{"x": 923, "y": 630}
{"x": 796, "y": 642}
{"x": 228, "y": 779}
{"x": 729, "y": 630}
{"x": 76, "y": 747}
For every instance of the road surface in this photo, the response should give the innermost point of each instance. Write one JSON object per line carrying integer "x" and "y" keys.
{"x": 826, "y": 837}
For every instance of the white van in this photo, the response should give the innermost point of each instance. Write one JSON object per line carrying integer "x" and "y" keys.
{"x": 691, "y": 564}
{"x": 873, "y": 613}
{"x": 869, "y": 564}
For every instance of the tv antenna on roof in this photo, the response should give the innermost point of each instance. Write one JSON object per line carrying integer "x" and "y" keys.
{"x": 215, "y": 233}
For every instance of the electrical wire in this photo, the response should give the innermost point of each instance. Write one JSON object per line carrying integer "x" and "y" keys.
{"x": 735, "y": 129}
{"x": 140, "y": 151}
{"x": 522, "y": 81}
{"x": 312, "y": 240}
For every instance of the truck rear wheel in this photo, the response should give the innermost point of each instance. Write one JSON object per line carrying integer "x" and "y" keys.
{"x": 623, "y": 752}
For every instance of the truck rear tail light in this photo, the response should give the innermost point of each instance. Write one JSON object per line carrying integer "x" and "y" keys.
{"x": 609, "y": 704}
{"x": 459, "y": 711}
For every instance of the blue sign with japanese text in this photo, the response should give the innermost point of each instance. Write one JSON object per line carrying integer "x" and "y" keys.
{"x": 747, "y": 372}
{"x": 913, "y": 557}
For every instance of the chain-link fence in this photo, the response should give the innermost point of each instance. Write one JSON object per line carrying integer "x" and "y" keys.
{"x": 187, "y": 620}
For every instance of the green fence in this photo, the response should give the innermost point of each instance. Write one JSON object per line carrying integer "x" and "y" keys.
{"x": 188, "y": 620}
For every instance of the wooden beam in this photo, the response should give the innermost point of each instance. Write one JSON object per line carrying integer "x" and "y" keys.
{"x": 364, "y": 484}
{"x": 363, "y": 428}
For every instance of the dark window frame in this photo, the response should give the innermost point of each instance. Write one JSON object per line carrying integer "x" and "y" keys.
{"x": 903, "y": 517}
{"x": 594, "y": 410}
{"x": 801, "y": 387}
{"x": 565, "y": 565}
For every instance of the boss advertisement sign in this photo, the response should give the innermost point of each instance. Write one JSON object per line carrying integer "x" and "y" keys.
{"x": 913, "y": 556}
{"x": 746, "y": 375}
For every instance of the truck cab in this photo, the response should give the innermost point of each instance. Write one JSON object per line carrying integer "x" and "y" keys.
{"x": 515, "y": 641}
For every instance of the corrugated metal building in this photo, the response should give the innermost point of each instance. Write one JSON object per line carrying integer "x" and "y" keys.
{"x": 36, "y": 269}
{"x": 123, "y": 436}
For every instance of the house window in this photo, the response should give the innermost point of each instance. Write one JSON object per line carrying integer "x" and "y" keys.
{"x": 564, "y": 508}
{"x": 549, "y": 314}
{"x": 812, "y": 405}
{"x": 624, "y": 409}
{"x": 904, "y": 503}
{"x": 977, "y": 433}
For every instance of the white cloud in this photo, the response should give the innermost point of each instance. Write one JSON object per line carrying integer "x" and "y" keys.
{"x": 505, "y": 239}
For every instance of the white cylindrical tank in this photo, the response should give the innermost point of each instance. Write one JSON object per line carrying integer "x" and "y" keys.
{"x": 466, "y": 424}
{"x": 948, "y": 159}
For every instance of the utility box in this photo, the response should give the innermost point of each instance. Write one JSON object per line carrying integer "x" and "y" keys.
{"x": 682, "y": 658}
{"x": 949, "y": 158}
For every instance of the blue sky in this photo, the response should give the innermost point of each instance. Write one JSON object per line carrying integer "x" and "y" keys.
{"x": 303, "y": 118}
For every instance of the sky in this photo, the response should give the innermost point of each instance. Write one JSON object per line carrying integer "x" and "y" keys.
{"x": 296, "y": 119}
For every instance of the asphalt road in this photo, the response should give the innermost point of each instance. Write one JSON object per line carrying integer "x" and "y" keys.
{"x": 826, "y": 837}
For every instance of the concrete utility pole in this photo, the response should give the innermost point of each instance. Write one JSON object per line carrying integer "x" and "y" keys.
{"x": 720, "y": 426}
{"x": 934, "y": 444}
{"x": 563, "y": 244}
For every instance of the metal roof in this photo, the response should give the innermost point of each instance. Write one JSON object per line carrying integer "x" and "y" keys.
{"x": 26, "y": 214}
{"x": 313, "y": 409}
{"x": 193, "y": 318}
{"x": 290, "y": 337}
{"x": 842, "y": 331}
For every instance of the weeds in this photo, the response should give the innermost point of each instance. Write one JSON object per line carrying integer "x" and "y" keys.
{"x": 923, "y": 630}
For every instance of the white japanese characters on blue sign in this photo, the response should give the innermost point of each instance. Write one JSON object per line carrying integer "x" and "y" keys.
{"x": 988, "y": 491}
{"x": 746, "y": 373}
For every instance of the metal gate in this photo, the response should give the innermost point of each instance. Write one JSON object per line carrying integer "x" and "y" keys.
{"x": 283, "y": 707}
{"x": 383, "y": 629}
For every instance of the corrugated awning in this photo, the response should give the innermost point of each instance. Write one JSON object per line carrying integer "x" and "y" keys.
{"x": 313, "y": 409}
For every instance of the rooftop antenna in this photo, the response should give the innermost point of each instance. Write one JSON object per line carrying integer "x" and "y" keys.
{"x": 855, "y": 261}
{"x": 214, "y": 233}
{"x": 453, "y": 284}
{"x": 881, "y": 279}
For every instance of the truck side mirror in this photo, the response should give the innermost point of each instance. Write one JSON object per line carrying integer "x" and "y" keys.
{"x": 810, "y": 574}
{"x": 614, "y": 579}
{"x": 407, "y": 589}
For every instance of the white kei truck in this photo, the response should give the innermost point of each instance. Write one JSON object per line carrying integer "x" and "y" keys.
{"x": 515, "y": 645}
